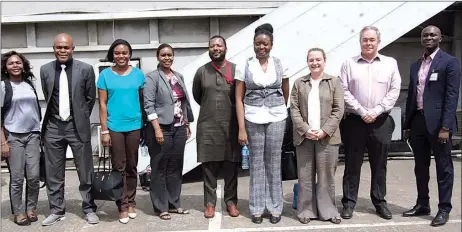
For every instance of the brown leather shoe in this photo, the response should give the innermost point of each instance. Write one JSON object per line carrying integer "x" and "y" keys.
{"x": 209, "y": 212}
{"x": 232, "y": 211}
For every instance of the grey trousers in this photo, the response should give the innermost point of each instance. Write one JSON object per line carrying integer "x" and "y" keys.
{"x": 57, "y": 137}
{"x": 24, "y": 161}
{"x": 316, "y": 160}
{"x": 265, "y": 142}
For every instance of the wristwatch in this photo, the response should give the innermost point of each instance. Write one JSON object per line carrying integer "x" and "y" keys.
{"x": 445, "y": 128}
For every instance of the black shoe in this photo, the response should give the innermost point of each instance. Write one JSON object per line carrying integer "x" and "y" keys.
{"x": 347, "y": 213}
{"x": 440, "y": 219}
{"x": 384, "y": 213}
{"x": 257, "y": 220}
{"x": 417, "y": 210}
{"x": 274, "y": 219}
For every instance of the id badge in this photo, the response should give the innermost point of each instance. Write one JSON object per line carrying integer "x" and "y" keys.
{"x": 434, "y": 76}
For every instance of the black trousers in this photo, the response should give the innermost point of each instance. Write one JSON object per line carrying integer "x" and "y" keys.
{"x": 166, "y": 166}
{"x": 376, "y": 137}
{"x": 57, "y": 137}
{"x": 422, "y": 144}
{"x": 210, "y": 172}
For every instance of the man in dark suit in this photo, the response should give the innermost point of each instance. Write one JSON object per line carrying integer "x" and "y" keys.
{"x": 431, "y": 121}
{"x": 69, "y": 89}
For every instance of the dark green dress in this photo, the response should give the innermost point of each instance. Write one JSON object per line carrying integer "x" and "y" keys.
{"x": 217, "y": 128}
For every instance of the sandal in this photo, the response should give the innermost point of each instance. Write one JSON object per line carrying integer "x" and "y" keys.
{"x": 32, "y": 216}
{"x": 336, "y": 220}
{"x": 179, "y": 211}
{"x": 24, "y": 221}
{"x": 165, "y": 216}
{"x": 304, "y": 220}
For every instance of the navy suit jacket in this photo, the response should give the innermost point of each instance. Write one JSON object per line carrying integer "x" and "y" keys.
{"x": 440, "y": 96}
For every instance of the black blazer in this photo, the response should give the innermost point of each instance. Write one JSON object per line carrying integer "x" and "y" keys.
{"x": 440, "y": 96}
{"x": 83, "y": 94}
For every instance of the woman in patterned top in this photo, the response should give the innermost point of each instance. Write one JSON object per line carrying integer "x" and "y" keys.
{"x": 168, "y": 108}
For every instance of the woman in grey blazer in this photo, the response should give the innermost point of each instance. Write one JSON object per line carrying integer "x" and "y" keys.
{"x": 317, "y": 107}
{"x": 168, "y": 108}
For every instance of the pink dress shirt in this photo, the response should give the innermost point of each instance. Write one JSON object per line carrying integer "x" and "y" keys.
{"x": 423, "y": 73}
{"x": 370, "y": 87}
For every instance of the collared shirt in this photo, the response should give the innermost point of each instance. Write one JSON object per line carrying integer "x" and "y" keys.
{"x": 55, "y": 94}
{"x": 370, "y": 86}
{"x": 423, "y": 72}
{"x": 263, "y": 114}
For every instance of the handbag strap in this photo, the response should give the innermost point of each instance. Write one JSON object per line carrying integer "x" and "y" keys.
{"x": 104, "y": 161}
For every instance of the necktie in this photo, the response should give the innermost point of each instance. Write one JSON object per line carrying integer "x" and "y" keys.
{"x": 64, "y": 110}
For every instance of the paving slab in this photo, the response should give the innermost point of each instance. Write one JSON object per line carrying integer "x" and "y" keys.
{"x": 401, "y": 195}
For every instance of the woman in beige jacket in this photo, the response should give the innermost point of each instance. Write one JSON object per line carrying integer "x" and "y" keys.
{"x": 317, "y": 106}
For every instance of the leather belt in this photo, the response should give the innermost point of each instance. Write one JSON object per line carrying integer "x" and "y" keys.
{"x": 62, "y": 119}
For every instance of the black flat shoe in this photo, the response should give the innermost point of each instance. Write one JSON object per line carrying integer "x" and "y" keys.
{"x": 440, "y": 219}
{"x": 257, "y": 219}
{"x": 417, "y": 210}
{"x": 274, "y": 219}
{"x": 347, "y": 213}
{"x": 384, "y": 213}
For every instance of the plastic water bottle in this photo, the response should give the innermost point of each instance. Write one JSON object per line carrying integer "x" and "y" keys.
{"x": 295, "y": 200}
{"x": 245, "y": 157}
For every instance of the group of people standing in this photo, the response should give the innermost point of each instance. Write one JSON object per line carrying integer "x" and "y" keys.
{"x": 240, "y": 104}
{"x": 362, "y": 98}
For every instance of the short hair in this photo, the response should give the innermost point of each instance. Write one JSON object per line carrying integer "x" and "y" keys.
{"x": 162, "y": 46}
{"x": 317, "y": 50}
{"x": 218, "y": 37}
{"x": 117, "y": 42}
{"x": 27, "y": 74}
{"x": 264, "y": 29}
{"x": 366, "y": 28}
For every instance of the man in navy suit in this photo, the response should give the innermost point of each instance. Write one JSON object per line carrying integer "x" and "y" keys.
{"x": 431, "y": 121}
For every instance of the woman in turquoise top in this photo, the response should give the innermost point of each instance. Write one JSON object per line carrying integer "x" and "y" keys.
{"x": 119, "y": 90}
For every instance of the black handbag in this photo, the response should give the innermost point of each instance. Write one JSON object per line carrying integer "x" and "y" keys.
{"x": 108, "y": 184}
{"x": 289, "y": 165}
{"x": 288, "y": 156}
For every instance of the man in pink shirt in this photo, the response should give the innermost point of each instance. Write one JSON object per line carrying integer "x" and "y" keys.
{"x": 371, "y": 83}
{"x": 431, "y": 121}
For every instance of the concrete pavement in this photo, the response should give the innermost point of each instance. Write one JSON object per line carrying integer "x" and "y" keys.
{"x": 401, "y": 194}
